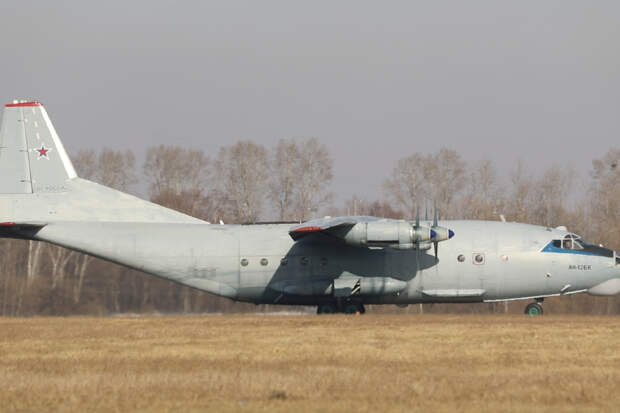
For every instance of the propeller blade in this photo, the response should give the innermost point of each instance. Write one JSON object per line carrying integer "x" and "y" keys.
{"x": 417, "y": 217}
{"x": 435, "y": 225}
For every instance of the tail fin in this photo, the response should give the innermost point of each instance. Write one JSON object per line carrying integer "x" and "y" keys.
{"x": 32, "y": 158}
{"x": 34, "y": 161}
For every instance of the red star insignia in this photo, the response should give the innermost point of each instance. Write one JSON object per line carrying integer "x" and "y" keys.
{"x": 43, "y": 151}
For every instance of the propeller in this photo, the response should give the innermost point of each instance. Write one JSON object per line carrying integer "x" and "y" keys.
{"x": 424, "y": 235}
{"x": 439, "y": 233}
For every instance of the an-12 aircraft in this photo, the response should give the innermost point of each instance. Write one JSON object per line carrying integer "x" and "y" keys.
{"x": 337, "y": 264}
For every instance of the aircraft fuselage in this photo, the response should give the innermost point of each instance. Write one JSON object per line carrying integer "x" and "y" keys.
{"x": 485, "y": 261}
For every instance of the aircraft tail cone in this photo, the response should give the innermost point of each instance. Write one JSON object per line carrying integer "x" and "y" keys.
{"x": 450, "y": 233}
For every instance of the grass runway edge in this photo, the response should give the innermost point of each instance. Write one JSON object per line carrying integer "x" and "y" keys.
{"x": 310, "y": 363}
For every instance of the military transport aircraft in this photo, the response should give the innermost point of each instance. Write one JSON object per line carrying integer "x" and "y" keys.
{"x": 337, "y": 264}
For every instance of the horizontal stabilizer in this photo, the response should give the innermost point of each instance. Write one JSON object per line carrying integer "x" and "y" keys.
{"x": 20, "y": 229}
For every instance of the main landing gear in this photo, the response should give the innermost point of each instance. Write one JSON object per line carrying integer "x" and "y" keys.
{"x": 349, "y": 307}
{"x": 534, "y": 309}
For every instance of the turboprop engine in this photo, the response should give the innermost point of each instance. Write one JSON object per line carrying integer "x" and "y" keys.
{"x": 393, "y": 234}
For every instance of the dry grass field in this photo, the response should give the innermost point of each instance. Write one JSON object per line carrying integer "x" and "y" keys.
{"x": 371, "y": 363}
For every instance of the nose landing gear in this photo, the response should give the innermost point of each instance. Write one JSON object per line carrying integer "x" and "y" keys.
{"x": 534, "y": 309}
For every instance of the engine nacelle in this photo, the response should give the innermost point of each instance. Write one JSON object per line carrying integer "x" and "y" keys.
{"x": 382, "y": 234}
{"x": 441, "y": 234}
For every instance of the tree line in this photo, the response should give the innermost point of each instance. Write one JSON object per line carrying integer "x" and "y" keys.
{"x": 291, "y": 181}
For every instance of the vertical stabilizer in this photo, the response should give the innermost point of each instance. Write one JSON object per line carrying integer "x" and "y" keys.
{"x": 34, "y": 161}
{"x": 32, "y": 158}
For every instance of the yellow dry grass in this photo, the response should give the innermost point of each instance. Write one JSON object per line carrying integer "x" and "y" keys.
{"x": 371, "y": 363}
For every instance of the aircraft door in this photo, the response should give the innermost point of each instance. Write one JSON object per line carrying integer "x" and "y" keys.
{"x": 561, "y": 276}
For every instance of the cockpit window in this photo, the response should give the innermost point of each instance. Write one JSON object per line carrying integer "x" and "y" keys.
{"x": 570, "y": 242}
{"x": 567, "y": 244}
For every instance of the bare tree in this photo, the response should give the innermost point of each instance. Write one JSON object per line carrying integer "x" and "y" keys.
{"x": 605, "y": 199}
{"x": 179, "y": 179}
{"x": 437, "y": 178}
{"x": 285, "y": 172}
{"x": 301, "y": 174}
{"x": 115, "y": 169}
{"x": 483, "y": 198}
{"x": 521, "y": 192}
{"x": 445, "y": 178}
{"x": 171, "y": 168}
{"x": 377, "y": 208}
{"x": 551, "y": 194}
{"x": 86, "y": 164}
{"x": 316, "y": 175}
{"x": 407, "y": 183}
{"x": 241, "y": 171}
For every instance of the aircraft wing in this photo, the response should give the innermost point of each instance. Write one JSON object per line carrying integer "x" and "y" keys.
{"x": 374, "y": 232}
{"x": 325, "y": 225}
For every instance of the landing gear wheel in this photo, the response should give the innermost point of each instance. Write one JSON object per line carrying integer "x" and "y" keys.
{"x": 534, "y": 309}
{"x": 326, "y": 309}
{"x": 350, "y": 308}
{"x": 354, "y": 308}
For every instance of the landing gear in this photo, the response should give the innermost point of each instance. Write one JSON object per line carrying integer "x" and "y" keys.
{"x": 534, "y": 309}
{"x": 346, "y": 308}
{"x": 327, "y": 308}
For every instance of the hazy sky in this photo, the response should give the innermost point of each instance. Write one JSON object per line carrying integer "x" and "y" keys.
{"x": 375, "y": 81}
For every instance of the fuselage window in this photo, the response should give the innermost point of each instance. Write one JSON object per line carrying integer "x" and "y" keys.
{"x": 264, "y": 261}
{"x": 284, "y": 261}
{"x": 323, "y": 261}
{"x": 304, "y": 260}
{"x": 460, "y": 258}
{"x": 479, "y": 259}
{"x": 244, "y": 262}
